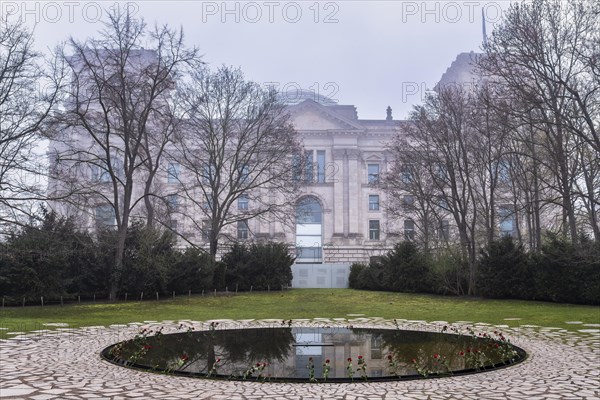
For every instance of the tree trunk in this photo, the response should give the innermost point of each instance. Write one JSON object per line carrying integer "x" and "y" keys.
{"x": 148, "y": 204}
{"x": 117, "y": 270}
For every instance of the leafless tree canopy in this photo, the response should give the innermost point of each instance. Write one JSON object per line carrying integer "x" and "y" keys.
{"x": 117, "y": 117}
{"x": 546, "y": 54}
{"x": 520, "y": 146}
{"x": 236, "y": 144}
{"x": 27, "y": 94}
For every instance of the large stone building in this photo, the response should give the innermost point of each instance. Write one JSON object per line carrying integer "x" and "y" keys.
{"x": 341, "y": 214}
{"x": 349, "y": 222}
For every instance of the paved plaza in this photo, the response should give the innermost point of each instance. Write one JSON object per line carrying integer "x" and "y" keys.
{"x": 64, "y": 363}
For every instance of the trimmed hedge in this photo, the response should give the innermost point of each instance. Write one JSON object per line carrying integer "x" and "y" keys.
{"x": 404, "y": 269}
{"x": 504, "y": 271}
{"x": 258, "y": 266}
{"x": 561, "y": 272}
{"x": 54, "y": 259}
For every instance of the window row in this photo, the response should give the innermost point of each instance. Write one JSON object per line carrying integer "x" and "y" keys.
{"x": 208, "y": 173}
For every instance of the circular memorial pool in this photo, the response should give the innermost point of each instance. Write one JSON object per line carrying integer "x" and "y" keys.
{"x": 307, "y": 354}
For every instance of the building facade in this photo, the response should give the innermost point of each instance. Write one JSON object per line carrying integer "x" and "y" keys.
{"x": 341, "y": 214}
{"x": 348, "y": 157}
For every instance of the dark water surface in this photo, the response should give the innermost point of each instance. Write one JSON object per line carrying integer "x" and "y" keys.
{"x": 315, "y": 354}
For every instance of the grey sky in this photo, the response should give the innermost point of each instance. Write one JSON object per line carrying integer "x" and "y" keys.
{"x": 368, "y": 53}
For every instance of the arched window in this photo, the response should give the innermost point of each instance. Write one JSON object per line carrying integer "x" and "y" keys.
{"x": 309, "y": 230}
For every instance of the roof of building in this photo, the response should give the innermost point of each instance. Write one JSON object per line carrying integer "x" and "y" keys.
{"x": 296, "y": 96}
{"x": 462, "y": 72}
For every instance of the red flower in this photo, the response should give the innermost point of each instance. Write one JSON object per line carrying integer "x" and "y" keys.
{"x": 462, "y": 353}
{"x": 184, "y": 357}
{"x": 147, "y": 346}
{"x": 218, "y": 360}
{"x": 349, "y": 359}
{"x": 389, "y": 357}
{"x": 435, "y": 355}
{"x": 468, "y": 350}
{"x": 310, "y": 359}
{"x": 258, "y": 364}
{"x": 359, "y": 357}
{"x": 327, "y": 361}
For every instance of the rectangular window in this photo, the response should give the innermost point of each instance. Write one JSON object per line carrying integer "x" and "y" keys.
{"x": 308, "y": 167}
{"x": 104, "y": 175}
{"x": 172, "y": 202}
{"x": 244, "y": 174}
{"x": 376, "y": 343}
{"x": 373, "y": 202}
{"x": 296, "y": 167}
{"x": 442, "y": 204}
{"x": 208, "y": 173}
{"x": 408, "y": 202}
{"x": 320, "y": 166}
{"x": 444, "y": 233}
{"x": 208, "y": 201}
{"x": 173, "y": 172}
{"x": 507, "y": 221}
{"x": 373, "y": 173}
{"x": 242, "y": 230}
{"x": 117, "y": 166}
{"x": 243, "y": 202}
{"x": 206, "y": 230}
{"x": 407, "y": 175}
{"x": 100, "y": 170}
{"x": 442, "y": 172}
{"x": 409, "y": 229}
{"x": 105, "y": 216}
{"x": 373, "y": 229}
{"x": 503, "y": 171}
{"x": 95, "y": 173}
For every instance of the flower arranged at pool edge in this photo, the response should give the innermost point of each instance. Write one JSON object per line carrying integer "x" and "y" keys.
{"x": 326, "y": 369}
{"x": 392, "y": 365}
{"x": 442, "y": 361}
{"x": 350, "y": 368}
{"x": 255, "y": 368}
{"x": 213, "y": 369}
{"x": 362, "y": 367}
{"x": 182, "y": 360}
{"x": 311, "y": 369}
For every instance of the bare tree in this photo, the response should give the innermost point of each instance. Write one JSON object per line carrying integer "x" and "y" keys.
{"x": 116, "y": 118}
{"x": 440, "y": 139}
{"x": 546, "y": 52}
{"x": 27, "y": 95}
{"x": 413, "y": 196}
{"x": 236, "y": 146}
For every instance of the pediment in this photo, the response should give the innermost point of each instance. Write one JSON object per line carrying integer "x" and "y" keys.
{"x": 376, "y": 157}
{"x": 312, "y": 116}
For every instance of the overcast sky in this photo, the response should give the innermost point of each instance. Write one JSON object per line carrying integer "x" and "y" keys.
{"x": 367, "y": 53}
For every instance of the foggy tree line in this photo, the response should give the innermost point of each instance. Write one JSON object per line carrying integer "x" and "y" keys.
{"x": 129, "y": 106}
{"x": 517, "y": 147}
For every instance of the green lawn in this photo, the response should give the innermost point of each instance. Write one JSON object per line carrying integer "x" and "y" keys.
{"x": 303, "y": 303}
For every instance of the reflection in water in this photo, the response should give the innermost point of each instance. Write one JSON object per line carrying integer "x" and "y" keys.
{"x": 303, "y": 353}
